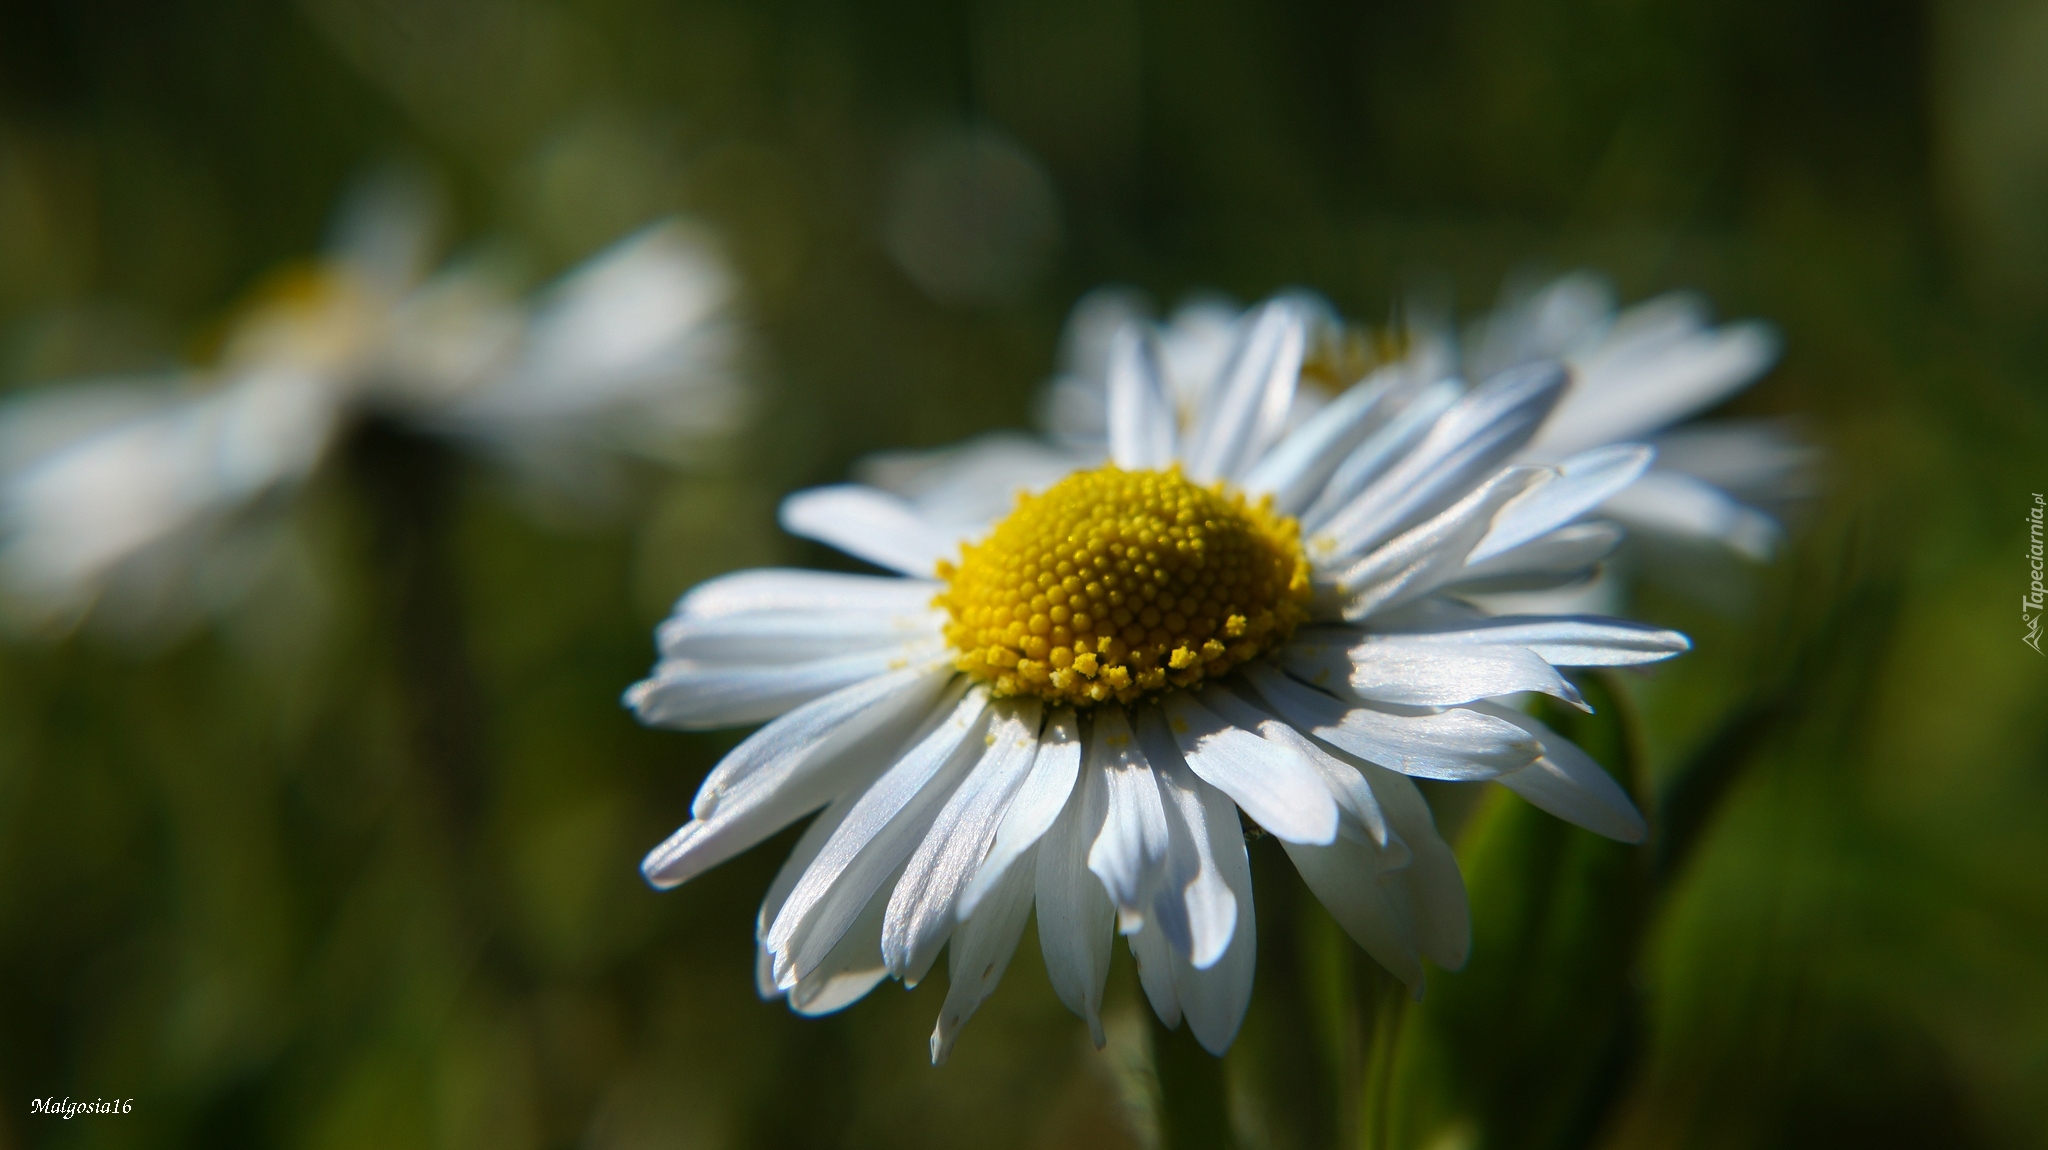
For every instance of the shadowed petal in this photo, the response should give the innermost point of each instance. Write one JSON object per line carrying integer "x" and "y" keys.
{"x": 981, "y": 950}
{"x": 1274, "y": 784}
{"x": 1076, "y": 921}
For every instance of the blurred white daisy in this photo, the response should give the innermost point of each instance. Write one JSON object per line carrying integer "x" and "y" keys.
{"x": 137, "y": 489}
{"x": 1639, "y": 375}
{"x": 1069, "y": 704}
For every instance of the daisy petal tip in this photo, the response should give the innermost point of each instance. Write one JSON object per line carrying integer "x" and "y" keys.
{"x": 659, "y": 872}
{"x": 1208, "y": 948}
{"x": 635, "y": 696}
{"x": 1317, "y": 827}
{"x": 1666, "y": 645}
{"x": 786, "y": 976}
{"x": 1637, "y": 830}
{"x": 667, "y": 865}
{"x": 1323, "y": 838}
{"x": 658, "y": 882}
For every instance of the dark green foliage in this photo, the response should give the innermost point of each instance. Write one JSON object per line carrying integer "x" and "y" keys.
{"x": 1531, "y": 1037}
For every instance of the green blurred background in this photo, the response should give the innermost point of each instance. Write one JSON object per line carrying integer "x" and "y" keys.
{"x": 225, "y": 887}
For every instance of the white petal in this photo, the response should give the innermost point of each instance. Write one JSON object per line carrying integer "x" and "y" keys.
{"x": 1282, "y": 791}
{"x": 1432, "y": 612}
{"x": 1584, "y": 482}
{"x": 1566, "y": 553}
{"x": 1214, "y": 997}
{"x": 1569, "y": 784}
{"x": 1468, "y": 443}
{"x": 1457, "y": 744}
{"x": 1249, "y": 409}
{"x": 1076, "y": 920}
{"x": 1564, "y": 640}
{"x": 1751, "y": 458}
{"x": 1129, "y": 854}
{"x": 443, "y": 354}
{"x": 1039, "y": 801}
{"x": 634, "y": 342}
{"x": 781, "y": 589}
{"x": 1354, "y": 797}
{"x": 876, "y": 837}
{"x": 921, "y": 911}
{"x": 1571, "y": 311}
{"x": 1141, "y": 416}
{"x": 963, "y": 488}
{"x": 1348, "y": 879}
{"x": 1295, "y": 471}
{"x": 1385, "y": 670}
{"x": 1432, "y": 553}
{"x": 1154, "y": 960}
{"x": 851, "y": 968}
{"x": 841, "y": 980}
{"x": 1075, "y": 405}
{"x": 1676, "y": 504}
{"x": 869, "y": 524}
{"x": 793, "y": 766}
{"x": 128, "y": 491}
{"x": 386, "y": 228}
{"x": 1074, "y": 412}
{"x": 981, "y": 951}
{"x": 1194, "y": 906}
{"x": 793, "y": 867}
{"x": 35, "y": 423}
{"x": 1434, "y": 887}
{"x": 1387, "y": 444}
{"x": 1430, "y": 889}
{"x": 685, "y": 695}
{"x": 1637, "y": 386}
{"x": 1195, "y": 346}
{"x": 783, "y": 637}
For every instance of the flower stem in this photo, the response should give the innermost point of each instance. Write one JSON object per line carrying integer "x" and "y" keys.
{"x": 1293, "y": 1051}
{"x": 408, "y": 485}
{"x": 1193, "y": 1111}
{"x": 1382, "y": 1008}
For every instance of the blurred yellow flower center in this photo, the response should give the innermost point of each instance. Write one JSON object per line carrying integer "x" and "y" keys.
{"x": 313, "y": 315}
{"x": 1115, "y": 584}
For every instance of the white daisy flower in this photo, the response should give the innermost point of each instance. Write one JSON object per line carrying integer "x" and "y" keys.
{"x": 127, "y": 488}
{"x": 1240, "y": 613}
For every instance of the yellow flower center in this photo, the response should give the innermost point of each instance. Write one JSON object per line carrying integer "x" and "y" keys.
{"x": 1115, "y": 584}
